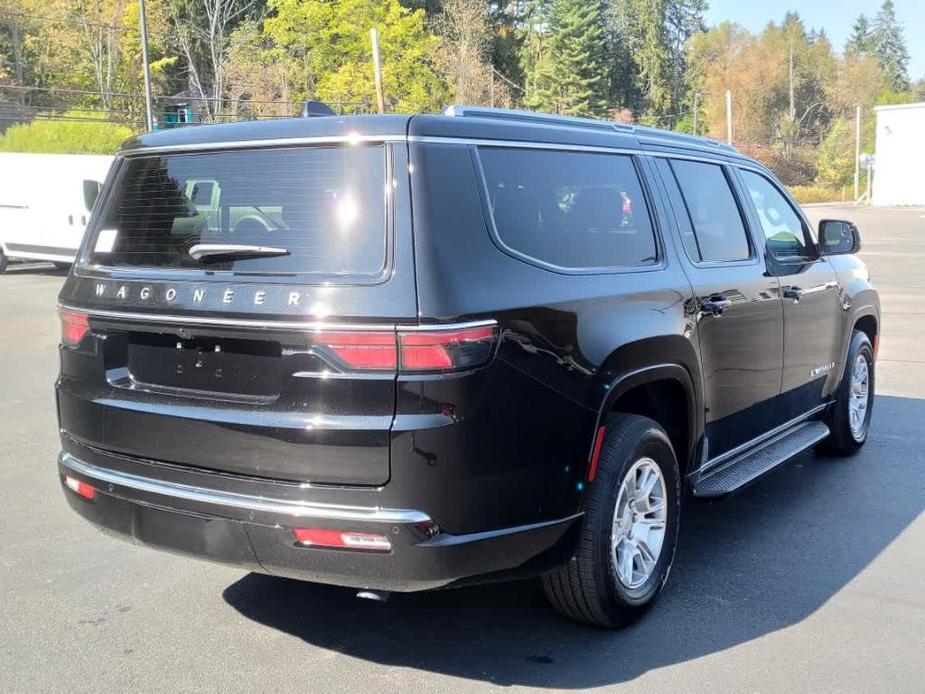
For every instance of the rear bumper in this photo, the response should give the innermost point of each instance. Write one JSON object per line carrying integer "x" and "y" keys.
{"x": 254, "y": 531}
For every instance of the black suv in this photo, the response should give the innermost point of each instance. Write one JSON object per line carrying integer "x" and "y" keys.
{"x": 399, "y": 353}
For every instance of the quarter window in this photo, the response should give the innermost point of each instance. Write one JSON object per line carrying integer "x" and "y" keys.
{"x": 718, "y": 227}
{"x": 782, "y": 226}
{"x": 573, "y": 210}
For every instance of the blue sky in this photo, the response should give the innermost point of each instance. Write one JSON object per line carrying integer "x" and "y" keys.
{"x": 835, "y": 17}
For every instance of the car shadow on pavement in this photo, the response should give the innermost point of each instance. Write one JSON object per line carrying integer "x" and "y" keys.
{"x": 756, "y": 563}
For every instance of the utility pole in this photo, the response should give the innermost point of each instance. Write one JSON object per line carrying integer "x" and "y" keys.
{"x": 857, "y": 152}
{"x": 377, "y": 69}
{"x": 696, "y": 105}
{"x": 149, "y": 111}
{"x": 729, "y": 116}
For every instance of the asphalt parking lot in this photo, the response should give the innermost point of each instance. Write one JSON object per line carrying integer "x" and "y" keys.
{"x": 811, "y": 580}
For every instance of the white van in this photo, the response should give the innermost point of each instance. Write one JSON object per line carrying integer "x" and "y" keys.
{"x": 45, "y": 202}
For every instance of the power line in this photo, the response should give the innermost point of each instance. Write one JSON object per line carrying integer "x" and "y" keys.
{"x": 61, "y": 20}
{"x": 138, "y": 95}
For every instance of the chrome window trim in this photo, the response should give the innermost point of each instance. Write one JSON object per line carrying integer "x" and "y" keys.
{"x": 240, "y": 501}
{"x": 260, "y": 144}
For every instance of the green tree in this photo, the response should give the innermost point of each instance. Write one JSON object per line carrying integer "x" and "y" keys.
{"x": 571, "y": 75}
{"x": 889, "y": 45}
{"x": 326, "y": 47}
{"x": 859, "y": 42}
{"x": 650, "y": 57}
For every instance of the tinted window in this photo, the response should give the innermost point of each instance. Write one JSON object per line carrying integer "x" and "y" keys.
{"x": 782, "y": 226}
{"x": 569, "y": 209}
{"x": 714, "y": 214}
{"x": 326, "y": 206}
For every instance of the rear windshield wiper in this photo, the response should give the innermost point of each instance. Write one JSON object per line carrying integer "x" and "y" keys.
{"x": 204, "y": 251}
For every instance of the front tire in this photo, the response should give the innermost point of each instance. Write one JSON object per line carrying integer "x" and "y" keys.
{"x": 3, "y": 261}
{"x": 629, "y": 531}
{"x": 850, "y": 413}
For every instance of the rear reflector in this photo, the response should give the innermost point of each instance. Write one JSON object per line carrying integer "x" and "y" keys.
{"x": 344, "y": 539}
{"x": 74, "y": 326}
{"x": 596, "y": 453}
{"x": 82, "y": 488}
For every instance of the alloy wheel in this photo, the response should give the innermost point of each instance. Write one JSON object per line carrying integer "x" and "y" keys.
{"x": 639, "y": 523}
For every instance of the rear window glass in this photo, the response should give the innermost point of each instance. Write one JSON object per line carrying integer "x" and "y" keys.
{"x": 573, "y": 210}
{"x": 322, "y": 210}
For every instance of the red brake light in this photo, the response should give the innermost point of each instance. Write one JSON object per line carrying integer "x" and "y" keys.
{"x": 441, "y": 350}
{"x": 343, "y": 539}
{"x": 74, "y": 327}
{"x": 447, "y": 349}
{"x": 374, "y": 350}
{"x": 82, "y": 488}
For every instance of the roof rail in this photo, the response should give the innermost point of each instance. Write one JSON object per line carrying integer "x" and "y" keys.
{"x": 530, "y": 117}
{"x": 642, "y": 131}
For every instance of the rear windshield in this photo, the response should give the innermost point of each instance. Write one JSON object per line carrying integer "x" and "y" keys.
{"x": 322, "y": 210}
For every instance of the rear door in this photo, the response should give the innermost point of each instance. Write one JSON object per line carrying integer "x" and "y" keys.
{"x": 737, "y": 304}
{"x": 278, "y": 364}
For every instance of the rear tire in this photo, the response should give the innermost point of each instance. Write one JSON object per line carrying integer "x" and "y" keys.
{"x": 3, "y": 261}
{"x": 849, "y": 415}
{"x": 612, "y": 580}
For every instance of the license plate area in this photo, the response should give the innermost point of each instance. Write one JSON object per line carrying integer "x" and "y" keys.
{"x": 205, "y": 364}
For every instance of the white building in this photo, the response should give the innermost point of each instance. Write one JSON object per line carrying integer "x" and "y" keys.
{"x": 899, "y": 171}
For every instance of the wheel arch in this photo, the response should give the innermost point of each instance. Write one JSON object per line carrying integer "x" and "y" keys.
{"x": 653, "y": 390}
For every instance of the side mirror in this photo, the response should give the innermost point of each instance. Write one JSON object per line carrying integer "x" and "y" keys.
{"x": 91, "y": 193}
{"x": 838, "y": 237}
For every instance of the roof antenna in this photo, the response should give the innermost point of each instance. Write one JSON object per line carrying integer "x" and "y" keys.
{"x": 314, "y": 109}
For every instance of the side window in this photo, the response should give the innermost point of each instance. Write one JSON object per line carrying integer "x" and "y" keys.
{"x": 714, "y": 215}
{"x": 573, "y": 210}
{"x": 782, "y": 226}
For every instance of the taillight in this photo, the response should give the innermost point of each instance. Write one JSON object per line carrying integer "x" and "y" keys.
{"x": 448, "y": 348}
{"x": 445, "y": 350}
{"x": 74, "y": 327}
{"x": 374, "y": 350}
{"x": 342, "y": 539}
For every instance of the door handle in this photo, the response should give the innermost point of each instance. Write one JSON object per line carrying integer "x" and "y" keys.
{"x": 715, "y": 305}
{"x": 794, "y": 293}
{"x": 797, "y": 293}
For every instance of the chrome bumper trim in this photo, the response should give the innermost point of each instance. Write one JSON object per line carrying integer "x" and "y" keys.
{"x": 242, "y": 501}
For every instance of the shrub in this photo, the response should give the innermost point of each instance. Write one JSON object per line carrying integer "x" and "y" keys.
{"x": 809, "y": 194}
{"x": 89, "y": 136}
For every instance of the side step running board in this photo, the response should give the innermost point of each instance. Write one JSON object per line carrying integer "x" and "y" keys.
{"x": 742, "y": 470}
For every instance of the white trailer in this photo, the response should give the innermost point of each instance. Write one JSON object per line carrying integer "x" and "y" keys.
{"x": 900, "y": 152}
{"x": 45, "y": 202}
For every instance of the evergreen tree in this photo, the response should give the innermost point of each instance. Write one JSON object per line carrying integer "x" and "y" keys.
{"x": 570, "y": 74}
{"x": 653, "y": 35}
{"x": 889, "y": 45}
{"x": 859, "y": 41}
